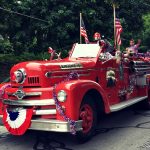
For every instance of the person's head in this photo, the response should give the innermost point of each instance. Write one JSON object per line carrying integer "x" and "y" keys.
{"x": 97, "y": 36}
{"x": 131, "y": 42}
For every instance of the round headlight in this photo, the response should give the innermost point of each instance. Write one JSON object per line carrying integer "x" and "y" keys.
{"x": 61, "y": 96}
{"x": 19, "y": 76}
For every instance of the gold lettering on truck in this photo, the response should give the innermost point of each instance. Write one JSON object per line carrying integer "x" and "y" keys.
{"x": 71, "y": 66}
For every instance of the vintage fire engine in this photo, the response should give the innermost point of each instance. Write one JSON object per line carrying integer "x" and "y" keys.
{"x": 71, "y": 94}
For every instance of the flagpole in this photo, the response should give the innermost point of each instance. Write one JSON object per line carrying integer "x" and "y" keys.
{"x": 114, "y": 12}
{"x": 119, "y": 47}
{"x": 80, "y": 28}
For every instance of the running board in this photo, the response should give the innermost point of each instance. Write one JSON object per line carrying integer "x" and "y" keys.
{"x": 127, "y": 103}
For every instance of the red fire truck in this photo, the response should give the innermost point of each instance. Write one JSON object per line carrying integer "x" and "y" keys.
{"x": 71, "y": 94}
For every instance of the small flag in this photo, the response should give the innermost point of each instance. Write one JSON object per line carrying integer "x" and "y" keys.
{"x": 83, "y": 31}
{"x": 118, "y": 31}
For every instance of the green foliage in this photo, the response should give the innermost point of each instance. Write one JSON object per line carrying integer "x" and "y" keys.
{"x": 143, "y": 49}
{"x": 6, "y": 46}
{"x": 23, "y": 35}
{"x": 146, "y": 31}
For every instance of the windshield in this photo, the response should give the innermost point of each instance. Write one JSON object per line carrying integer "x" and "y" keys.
{"x": 85, "y": 50}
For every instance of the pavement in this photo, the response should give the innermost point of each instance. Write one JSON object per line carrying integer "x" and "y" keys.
{"x": 124, "y": 130}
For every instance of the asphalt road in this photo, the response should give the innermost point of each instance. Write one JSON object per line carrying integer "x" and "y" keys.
{"x": 124, "y": 130}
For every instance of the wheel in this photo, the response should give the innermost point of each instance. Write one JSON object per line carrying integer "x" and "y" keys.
{"x": 88, "y": 115}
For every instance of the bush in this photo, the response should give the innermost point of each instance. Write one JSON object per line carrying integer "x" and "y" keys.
{"x": 5, "y": 46}
{"x": 143, "y": 49}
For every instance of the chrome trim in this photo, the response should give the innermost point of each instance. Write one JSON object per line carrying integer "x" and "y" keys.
{"x": 80, "y": 75}
{"x": 54, "y": 125}
{"x": 142, "y": 69}
{"x": 58, "y": 76}
{"x": 42, "y": 102}
{"x": 70, "y": 65}
{"x": 127, "y": 103}
{"x": 138, "y": 66}
{"x": 45, "y": 112}
{"x": 142, "y": 72}
{"x": 76, "y": 70}
{"x": 20, "y": 94}
{"x": 24, "y": 75}
{"x": 140, "y": 63}
{"x": 28, "y": 94}
{"x": 48, "y": 74}
{"x": 84, "y": 74}
{"x": 33, "y": 93}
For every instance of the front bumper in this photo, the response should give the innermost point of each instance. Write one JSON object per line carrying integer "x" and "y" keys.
{"x": 27, "y": 102}
{"x": 43, "y": 124}
{"x": 54, "y": 125}
{"x": 51, "y": 125}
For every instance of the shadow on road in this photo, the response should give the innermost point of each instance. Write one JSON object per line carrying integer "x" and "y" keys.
{"x": 110, "y": 129}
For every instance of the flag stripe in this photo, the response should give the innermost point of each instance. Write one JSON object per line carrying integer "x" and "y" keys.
{"x": 83, "y": 32}
{"x": 118, "y": 31}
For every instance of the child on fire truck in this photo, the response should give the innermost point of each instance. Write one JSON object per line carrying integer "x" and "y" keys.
{"x": 106, "y": 46}
{"x": 133, "y": 48}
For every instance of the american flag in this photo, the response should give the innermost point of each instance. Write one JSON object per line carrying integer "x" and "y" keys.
{"x": 118, "y": 31}
{"x": 83, "y": 32}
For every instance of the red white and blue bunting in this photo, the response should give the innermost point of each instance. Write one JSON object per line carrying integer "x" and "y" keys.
{"x": 72, "y": 123}
{"x": 129, "y": 90}
{"x": 17, "y": 120}
{"x": 2, "y": 90}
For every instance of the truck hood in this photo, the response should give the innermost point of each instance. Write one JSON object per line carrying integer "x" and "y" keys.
{"x": 55, "y": 65}
{"x": 39, "y": 73}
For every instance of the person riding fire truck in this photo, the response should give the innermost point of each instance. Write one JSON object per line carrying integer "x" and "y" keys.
{"x": 107, "y": 51}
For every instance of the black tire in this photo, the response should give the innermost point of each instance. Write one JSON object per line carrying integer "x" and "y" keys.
{"x": 88, "y": 132}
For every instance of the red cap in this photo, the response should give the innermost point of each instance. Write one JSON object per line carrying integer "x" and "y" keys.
{"x": 97, "y": 36}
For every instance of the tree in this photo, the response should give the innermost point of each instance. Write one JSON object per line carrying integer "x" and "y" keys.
{"x": 146, "y": 31}
{"x": 58, "y": 25}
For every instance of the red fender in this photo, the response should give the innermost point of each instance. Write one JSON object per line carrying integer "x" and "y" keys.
{"x": 76, "y": 89}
